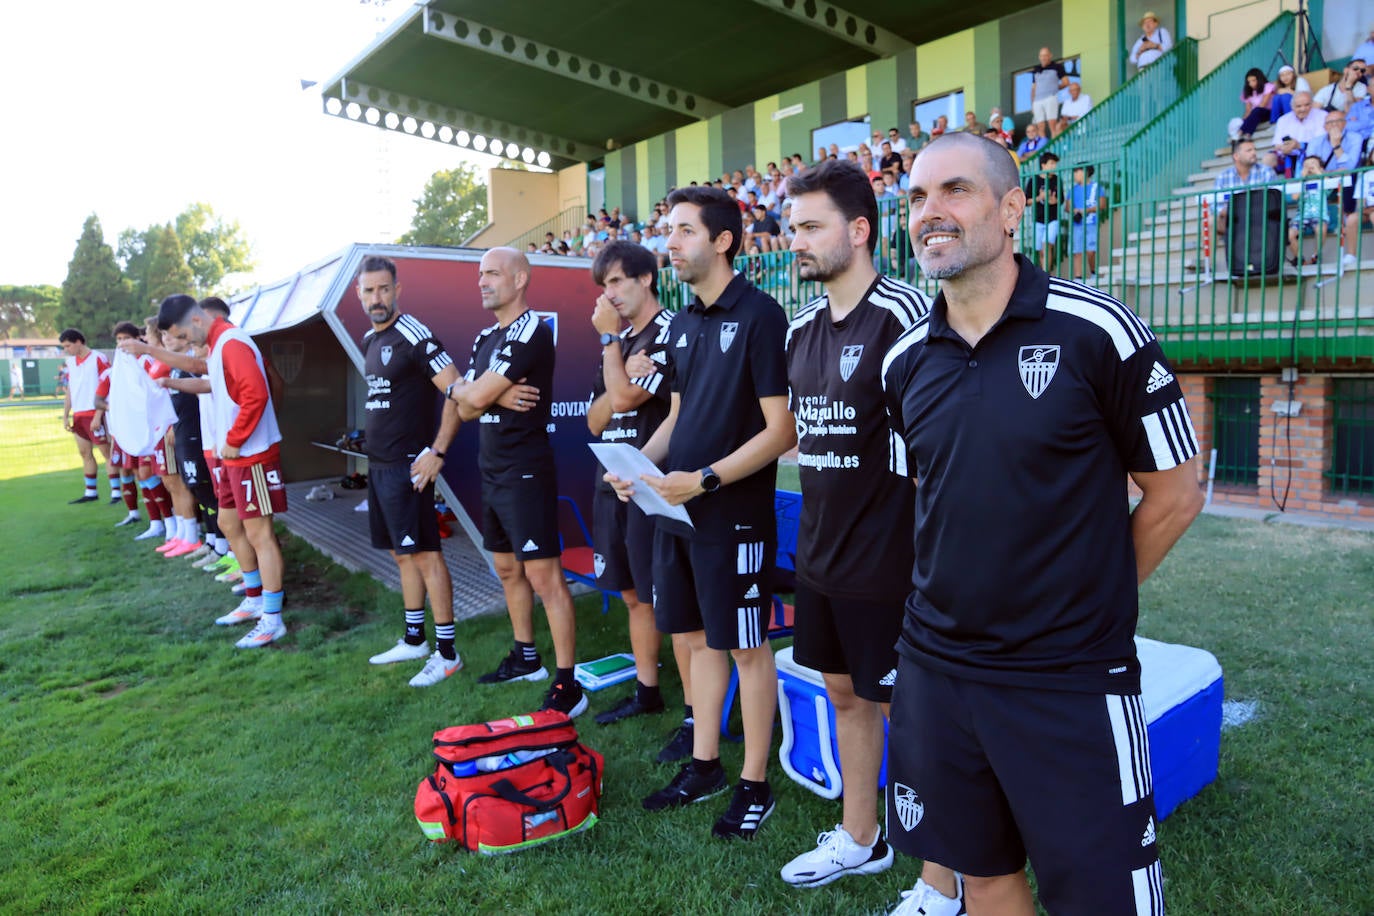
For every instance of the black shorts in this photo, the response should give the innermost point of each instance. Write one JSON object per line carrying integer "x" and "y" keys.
{"x": 401, "y": 519}
{"x": 521, "y": 517}
{"x": 850, "y": 636}
{"x": 982, "y": 776}
{"x": 623, "y": 537}
{"x": 724, "y": 588}
{"x": 190, "y": 458}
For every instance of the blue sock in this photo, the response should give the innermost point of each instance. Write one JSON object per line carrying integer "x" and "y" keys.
{"x": 252, "y": 578}
{"x": 90, "y": 486}
{"x": 271, "y": 601}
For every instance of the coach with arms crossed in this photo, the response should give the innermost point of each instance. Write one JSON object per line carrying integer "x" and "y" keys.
{"x": 1024, "y": 402}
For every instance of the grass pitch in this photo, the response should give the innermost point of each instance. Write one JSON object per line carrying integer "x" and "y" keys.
{"x": 146, "y": 766}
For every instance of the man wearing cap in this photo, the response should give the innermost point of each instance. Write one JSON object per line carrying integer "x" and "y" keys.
{"x": 1153, "y": 42}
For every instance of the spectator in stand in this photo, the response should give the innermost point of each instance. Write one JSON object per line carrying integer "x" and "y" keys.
{"x": 908, "y": 157}
{"x": 767, "y": 196}
{"x": 834, "y": 151}
{"x": 821, "y": 154}
{"x": 1032, "y": 143}
{"x": 917, "y": 138}
{"x": 1365, "y": 51}
{"x": 1257, "y": 95}
{"x": 889, "y": 159}
{"x": 1314, "y": 215}
{"x": 996, "y": 136}
{"x": 1341, "y": 150}
{"x": 1286, "y": 85}
{"x": 941, "y": 125}
{"x": 766, "y": 230}
{"x": 894, "y": 136}
{"x": 1048, "y": 76}
{"x": 1043, "y": 192}
{"x": 1350, "y": 88}
{"x": 1295, "y": 130}
{"x": 971, "y": 125}
{"x": 1076, "y": 106}
{"x": 996, "y": 121}
{"x": 1085, "y": 200}
{"x": 734, "y": 195}
{"x": 1153, "y": 43}
{"x": 1245, "y": 170}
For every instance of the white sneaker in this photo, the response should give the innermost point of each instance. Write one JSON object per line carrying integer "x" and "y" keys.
{"x": 1348, "y": 260}
{"x": 155, "y": 530}
{"x": 200, "y": 553}
{"x": 837, "y": 854}
{"x": 401, "y": 652}
{"x": 248, "y": 609}
{"x": 924, "y": 900}
{"x": 436, "y": 669}
{"x": 269, "y": 629}
{"x": 209, "y": 558}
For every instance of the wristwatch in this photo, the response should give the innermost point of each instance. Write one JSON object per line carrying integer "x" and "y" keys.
{"x": 710, "y": 480}
{"x": 608, "y": 339}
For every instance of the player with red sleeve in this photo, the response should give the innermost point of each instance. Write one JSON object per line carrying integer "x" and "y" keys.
{"x": 86, "y": 369}
{"x": 248, "y": 447}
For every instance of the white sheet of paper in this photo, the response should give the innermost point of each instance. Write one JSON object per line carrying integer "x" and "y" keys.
{"x": 628, "y": 463}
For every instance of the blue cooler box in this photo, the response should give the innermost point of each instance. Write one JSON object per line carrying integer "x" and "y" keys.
{"x": 1181, "y": 691}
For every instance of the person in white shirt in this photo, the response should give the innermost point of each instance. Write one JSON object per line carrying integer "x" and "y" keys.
{"x": 895, "y": 138}
{"x": 1153, "y": 42}
{"x": 1294, "y": 130}
{"x": 1078, "y": 104}
{"x": 1350, "y": 88}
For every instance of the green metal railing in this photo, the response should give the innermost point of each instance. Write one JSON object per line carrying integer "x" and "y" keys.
{"x": 1109, "y": 123}
{"x": 1235, "y": 406}
{"x": 571, "y": 219}
{"x": 1171, "y": 145}
{"x": 1352, "y": 435}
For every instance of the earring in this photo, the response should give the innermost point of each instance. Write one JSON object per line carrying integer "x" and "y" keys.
{"x": 1011, "y": 233}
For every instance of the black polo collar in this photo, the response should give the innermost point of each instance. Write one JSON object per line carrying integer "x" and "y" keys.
{"x": 1027, "y": 301}
{"x": 729, "y": 297}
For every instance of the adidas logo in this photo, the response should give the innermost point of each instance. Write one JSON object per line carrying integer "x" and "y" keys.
{"x": 660, "y": 357}
{"x": 529, "y": 546}
{"x": 1159, "y": 377}
{"x": 1149, "y": 836}
{"x": 753, "y": 591}
{"x": 682, "y": 341}
{"x": 407, "y": 541}
{"x": 889, "y": 679}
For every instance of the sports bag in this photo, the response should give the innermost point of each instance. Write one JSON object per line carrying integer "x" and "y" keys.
{"x": 509, "y": 784}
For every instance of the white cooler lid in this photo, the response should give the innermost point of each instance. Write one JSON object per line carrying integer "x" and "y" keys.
{"x": 783, "y": 658}
{"x": 1170, "y": 674}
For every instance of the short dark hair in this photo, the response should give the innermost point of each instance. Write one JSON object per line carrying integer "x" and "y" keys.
{"x": 848, "y": 187}
{"x": 634, "y": 260}
{"x": 999, "y": 169}
{"x": 71, "y": 335}
{"x": 173, "y": 311}
{"x": 128, "y": 328}
{"x": 374, "y": 262}
{"x": 1236, "y": 143}
{"x": 719, "y": 213}
{"x": 216, "y": 304}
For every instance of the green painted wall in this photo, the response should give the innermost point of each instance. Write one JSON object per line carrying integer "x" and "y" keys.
{"x": 1091, "y": 32}
{"x": 987, "y": 80}
{"x": 767, "y": 132}
{"x": 715, "y": 162}
{"x": 856, "y": 92}
{"x": 614, "y": 174}
{"x": 643, "y": 187}
{"x": 882, "y": 97}
{"x": 693, "y": 153}
{"x": 796, "y": 130}
{"x": 945, "y": 65}
{"x": 656, "y": 172}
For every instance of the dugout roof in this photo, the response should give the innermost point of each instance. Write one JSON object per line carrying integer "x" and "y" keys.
{"x": 573, "y": 80}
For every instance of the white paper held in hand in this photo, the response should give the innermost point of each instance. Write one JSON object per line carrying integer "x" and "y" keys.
{"x": 628, "y": 463}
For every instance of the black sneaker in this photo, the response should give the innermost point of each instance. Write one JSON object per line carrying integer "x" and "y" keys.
{"x": 566, "y": 698}
{"x": 748, "y": 809}
{"x": 679, "y": 747}
{"x": 630, "y": 706}
{"x": 514, "y": 668}
{"x": 117, "y": 498}
{"x": 687, "y": 788}
{"x": 82, "y": 499}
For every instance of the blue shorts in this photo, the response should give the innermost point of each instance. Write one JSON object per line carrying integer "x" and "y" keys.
{"x": 1082, "y": 237}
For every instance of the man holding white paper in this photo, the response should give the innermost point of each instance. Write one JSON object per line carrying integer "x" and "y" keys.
{"x": 727, "y": 424}
{"x": 404, "y": 365}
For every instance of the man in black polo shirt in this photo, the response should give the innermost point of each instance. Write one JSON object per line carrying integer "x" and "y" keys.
{"x": 1024, "y": 402}
{"x": 404, "y": 364}
{"x": 853, "y": 574}
{"x": 519, "y": 482}
{"x": 727, "y": 425}
{"x": 627, "y": 407}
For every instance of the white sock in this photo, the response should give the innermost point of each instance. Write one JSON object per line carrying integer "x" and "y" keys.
{"x": 221, "y": 545}
{"x": 173, "y": 527}
{"x": 157, "y": 527}
{"x": 133, "y": 513}
{"x": 190, "y": 530}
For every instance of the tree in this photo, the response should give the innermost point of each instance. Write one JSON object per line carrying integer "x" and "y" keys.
{"x": 214, "y": 247}
{"x": 168, "y": 272}
{"x": 94, "y": 295}
{"x": 29, "y": 311}
{"x": 132, "y": 253}
{"x": 452, "y": 207}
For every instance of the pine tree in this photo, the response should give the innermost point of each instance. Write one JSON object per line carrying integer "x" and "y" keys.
{"x": 168, "y": 273}
{"x": 95, "y": 295}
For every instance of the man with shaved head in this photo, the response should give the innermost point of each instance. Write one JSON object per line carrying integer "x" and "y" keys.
{"x": 519, "y": 482}
{"x": 1023, "y": 402}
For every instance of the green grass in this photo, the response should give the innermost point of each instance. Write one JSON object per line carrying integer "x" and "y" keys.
{"x": 32, "y": 441}
{"x": 148, "y": 767}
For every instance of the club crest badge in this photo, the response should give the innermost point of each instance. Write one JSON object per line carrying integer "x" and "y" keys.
{"x": 849, "y": 360}
{"x": 1037, "y": 365}
{"x": 386, "y": 356}
{"x": 550, "y": 319}
{"x": 727, "y": 334}
{"x": 910, "y": 809}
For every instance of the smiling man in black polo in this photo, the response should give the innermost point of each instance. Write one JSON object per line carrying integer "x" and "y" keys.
{"x": 727, "y": 424}
{"x": 1025, "y": 402}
